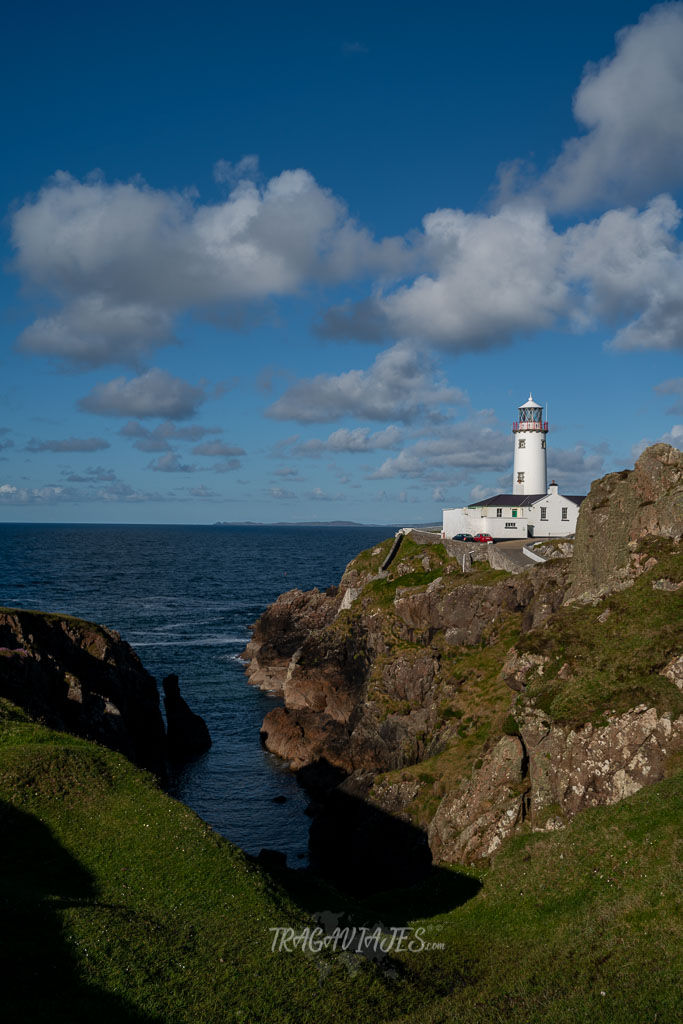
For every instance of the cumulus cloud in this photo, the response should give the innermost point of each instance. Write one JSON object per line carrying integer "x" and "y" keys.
{"x": 227, "y": 173}
{"x": 217, "y": 448}
{"x": 470, "y": 445}
{"x": 629, "y": 264}
{"x": 360, "y": 439}
{"x": 574, "y": 469}
{"x": 401, "y": 384}
{"x": 68, "y": 444}
{"x": 155, "y": 393}
{"x": 673, "y": 387}
{"x": 632, "y": 109}
{"x": 226, "y": 466}
{"x": 170, "y": 463}
{"x": 92, "y": 331}
{"x": 674, "y": 436}
{"x": 158, "y": 439}
{"x": 124, "y": 259}
{"x": 281, "y": 494}
{"x": 493, "y": 277}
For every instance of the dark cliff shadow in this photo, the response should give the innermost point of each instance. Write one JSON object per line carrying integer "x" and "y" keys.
{"x": 42, "y": 979}
{"x": 368, "y": 863}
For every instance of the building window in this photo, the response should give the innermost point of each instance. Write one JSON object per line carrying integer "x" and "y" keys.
{"x": 520, "y": 478}
{"x": 565, "y": 514}
{"x": 521, "y": 443}
{"x": 499, "y": 512}
{"x": 511, "y": 526}
{"x": 544, "y": 512}
{"x": 514, "y": 513}
{"x": 543, "y": 443}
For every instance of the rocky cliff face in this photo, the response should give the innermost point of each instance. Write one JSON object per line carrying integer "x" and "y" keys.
{"x": 621, "y": 510}
{"x": 82, "y": 678}
{"x": 472, "y": 704}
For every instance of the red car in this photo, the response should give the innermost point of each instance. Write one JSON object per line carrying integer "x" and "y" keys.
{"x": 483, "y": 538}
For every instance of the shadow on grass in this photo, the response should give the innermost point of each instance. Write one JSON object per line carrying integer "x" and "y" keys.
{"x": 42, "y": 978}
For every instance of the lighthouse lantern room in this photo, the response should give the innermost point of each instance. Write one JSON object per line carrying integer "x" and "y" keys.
{"x": 529, "y": 431}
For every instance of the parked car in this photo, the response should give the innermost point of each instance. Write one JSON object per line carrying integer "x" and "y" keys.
{"x": 483, "y": 538}
{"x": 463, "y": 536}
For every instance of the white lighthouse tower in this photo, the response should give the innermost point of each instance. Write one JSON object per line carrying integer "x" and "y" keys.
{"x": 529, "y": 474}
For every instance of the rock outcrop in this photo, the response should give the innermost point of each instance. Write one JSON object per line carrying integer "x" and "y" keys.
{"x": 492, "y": 681}
{"x": 81, "y": 677}
{"x": 186, "y": 733}
{"x": 621, "y": 510}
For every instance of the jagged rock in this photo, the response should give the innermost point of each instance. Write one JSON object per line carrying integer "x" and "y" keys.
{"x": 518, "y": 668}
{"x": 281, "y": 630}
{"x": 473, "y": 821}
{"x": 674, "y": 671}
{"x": 187, "y": 733}
{"x": 620, "y": 510}
{"x": 573, "y": 769}
{"x": 82, "y": 678}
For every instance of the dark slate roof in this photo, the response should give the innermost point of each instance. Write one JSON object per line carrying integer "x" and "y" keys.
{"x": 520, "y": 500}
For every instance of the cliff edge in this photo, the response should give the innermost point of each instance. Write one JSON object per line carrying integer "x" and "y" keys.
{"x": 473, "y": 703}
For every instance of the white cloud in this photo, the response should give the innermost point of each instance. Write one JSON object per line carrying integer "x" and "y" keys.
{"x": 170, "y": 463}
{"x": 155, "y": 393}
{"x": 632, "y": 108}
{"x": 281, "y": 494}
{"x": 360, "y": 439}
{"x": 402, "y": 384}
{"x": 228, "y": 173}
{"x": 492, "y": 277}
{"x": 674, "y": 436}
{"x": 114, "y": 492}
{"x": 217, "y": 448}
{"x": 629, "y": 264}
{"x": 92, "y": 331}
{"x": 157, "y": 440}
{"x": 124, "y": 259}
{"x": 471, "y": 445}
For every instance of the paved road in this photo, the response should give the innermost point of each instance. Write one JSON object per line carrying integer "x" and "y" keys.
{"x": 513, "y": 550}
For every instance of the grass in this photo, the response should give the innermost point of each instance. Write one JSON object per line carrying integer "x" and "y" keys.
{"x": 120, "y": 905}
{"x": 615, "y": 664}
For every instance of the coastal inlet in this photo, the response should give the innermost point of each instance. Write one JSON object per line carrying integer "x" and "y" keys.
{"x": 184, "y": 597}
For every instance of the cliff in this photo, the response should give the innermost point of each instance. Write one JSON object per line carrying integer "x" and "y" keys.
{"x": 475, "y": 704}
{"x": 83, "y": 678}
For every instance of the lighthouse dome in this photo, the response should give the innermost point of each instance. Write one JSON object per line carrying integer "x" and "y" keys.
{"x": 531, "y": 404}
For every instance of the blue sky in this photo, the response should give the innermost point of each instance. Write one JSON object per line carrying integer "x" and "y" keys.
{"x": 303, "y": 262}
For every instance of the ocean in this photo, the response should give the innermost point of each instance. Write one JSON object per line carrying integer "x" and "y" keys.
{"x": 184, "y": 597}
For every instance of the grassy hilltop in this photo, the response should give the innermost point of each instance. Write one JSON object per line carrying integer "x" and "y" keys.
{"x": 119, "y": 904}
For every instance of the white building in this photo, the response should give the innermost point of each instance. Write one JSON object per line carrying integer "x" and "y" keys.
{"x": 532, "y": 509}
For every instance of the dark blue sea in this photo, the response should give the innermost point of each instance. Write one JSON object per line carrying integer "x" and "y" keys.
{"x": 184, "y": 597}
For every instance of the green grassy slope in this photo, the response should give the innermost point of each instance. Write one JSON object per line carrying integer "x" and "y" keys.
{"x": 119, "y": 904}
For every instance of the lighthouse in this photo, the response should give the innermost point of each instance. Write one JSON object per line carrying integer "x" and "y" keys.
{"x": 529, "y": 474}
{"x": 532, "y": 509}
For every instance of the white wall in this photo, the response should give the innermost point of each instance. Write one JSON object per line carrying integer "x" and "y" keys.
{"x": 553, "y": 525}
{"x": 464, "y": 520}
